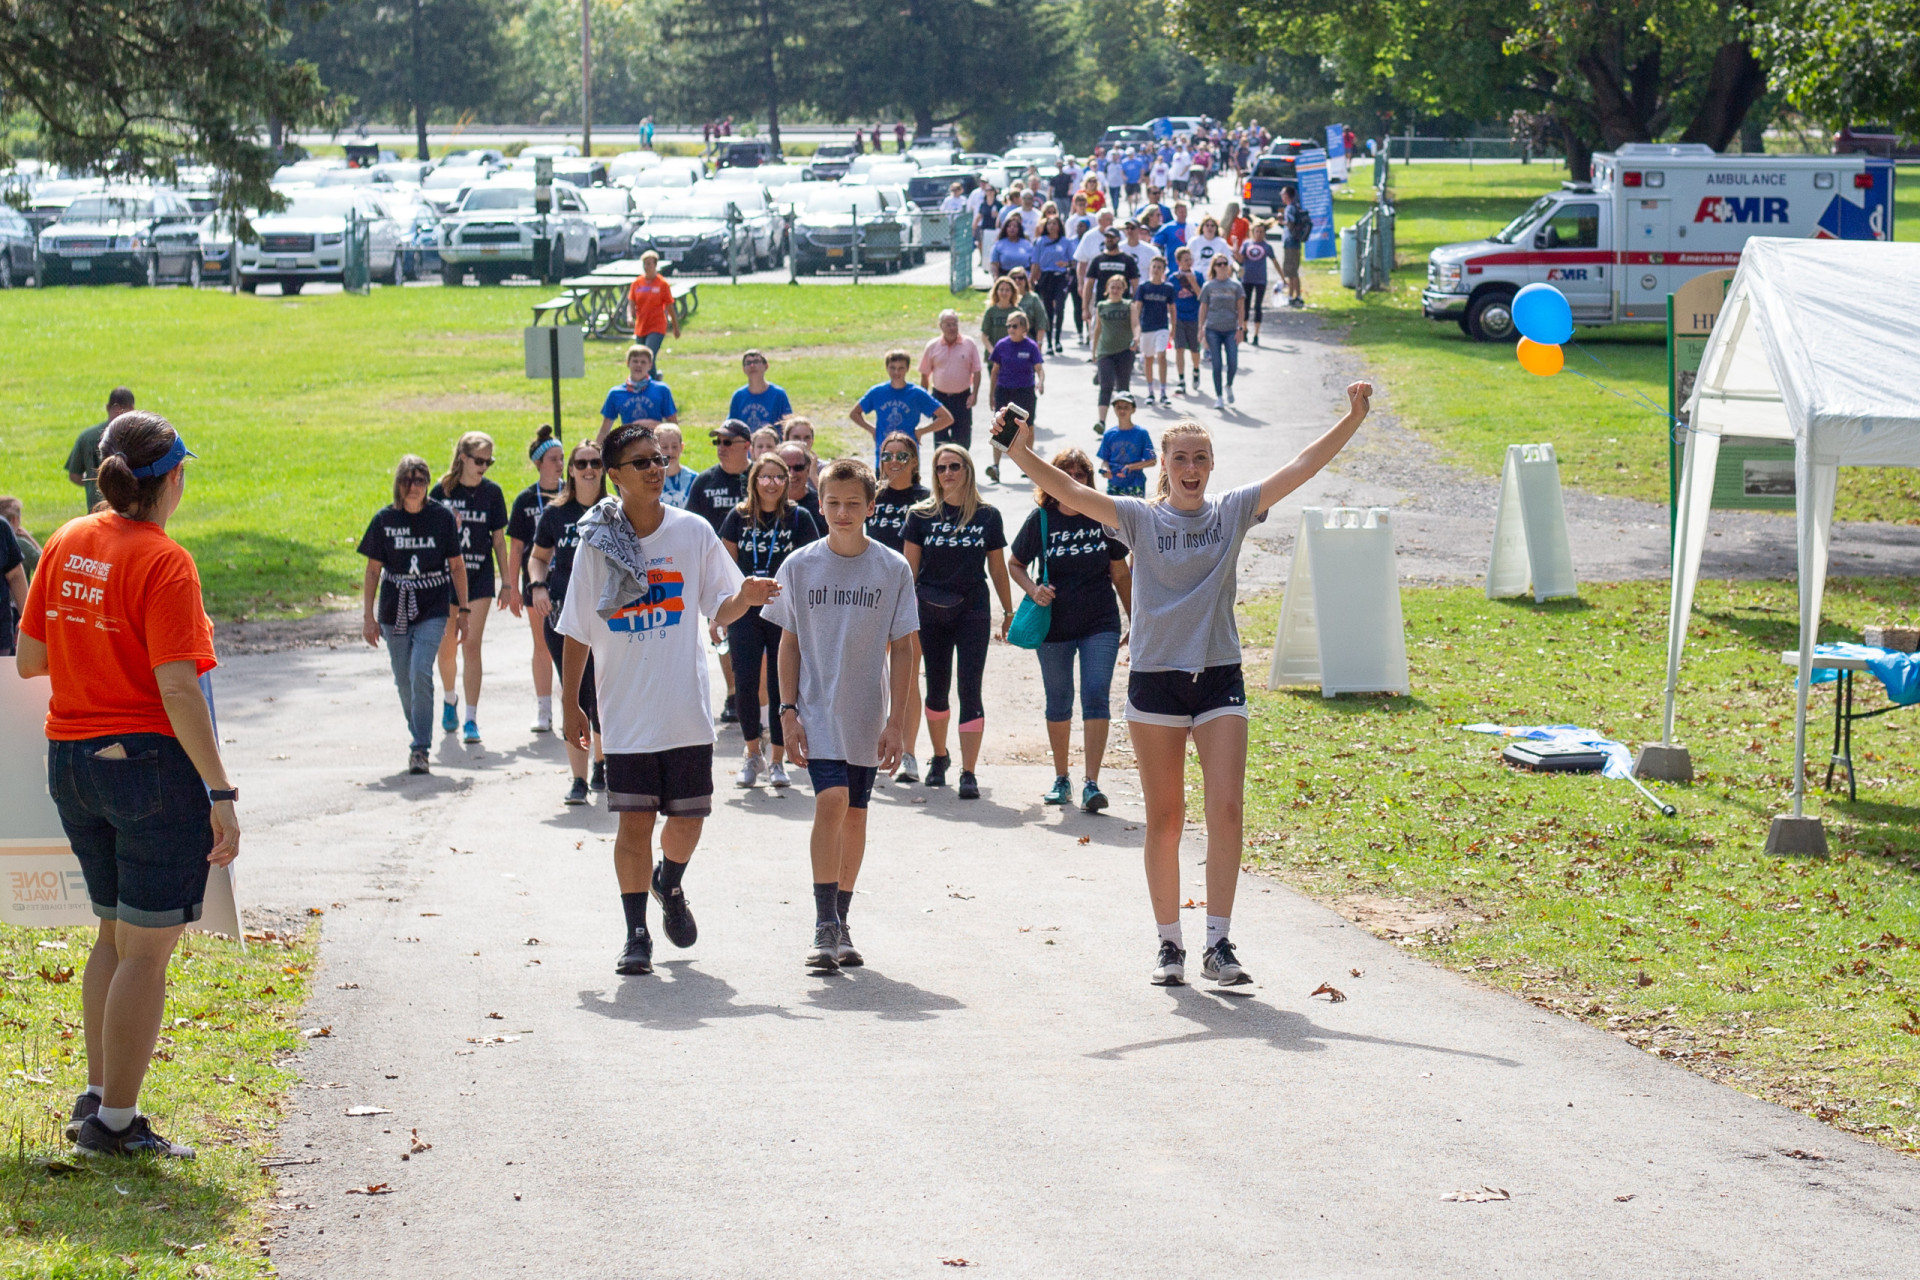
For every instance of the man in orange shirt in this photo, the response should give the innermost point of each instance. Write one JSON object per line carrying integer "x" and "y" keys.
{"x": 650, "y": 302}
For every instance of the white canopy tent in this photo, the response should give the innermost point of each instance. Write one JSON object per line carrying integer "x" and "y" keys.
{"x": 1818, "y": 343}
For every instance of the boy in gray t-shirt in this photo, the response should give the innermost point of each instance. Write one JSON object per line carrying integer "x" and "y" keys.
{"x": 845, "y": 604}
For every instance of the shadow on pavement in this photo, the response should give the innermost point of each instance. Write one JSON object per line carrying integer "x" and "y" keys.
{"x": 687, "y": 1003}
{"x": 410, "y": 784}
{"x": 865, "y": 991}
{"x": 1225, "y": 1017}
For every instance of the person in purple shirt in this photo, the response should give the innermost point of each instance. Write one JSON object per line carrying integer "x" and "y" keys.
{"x": 1019, "y": 376}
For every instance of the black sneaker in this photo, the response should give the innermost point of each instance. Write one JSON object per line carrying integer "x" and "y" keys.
{"x": 637, "y": 957}
{"x": 598, "y": 782}
{"x": 416, "y": 762}
{"x": 826, "y": 947}
{"x": 137, "y": 1139}
{"x": 937, "y": 771}
{"x": 676, "y": 920}
{"x": 969, "y": 786}
{"x": 1220, "y": 964}
{"x": 577, "y": 794}
{"x": 848, "y": 955}
{"x": 84, "y": 1107}
{"x": 727, "y": 714}
{"x": 1170, "y": 969}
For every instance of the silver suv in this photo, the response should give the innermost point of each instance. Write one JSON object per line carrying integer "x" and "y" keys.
{"x": 492, "y": 227}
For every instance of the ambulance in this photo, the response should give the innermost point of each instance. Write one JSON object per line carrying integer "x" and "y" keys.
{"x": 1654, "y": 216}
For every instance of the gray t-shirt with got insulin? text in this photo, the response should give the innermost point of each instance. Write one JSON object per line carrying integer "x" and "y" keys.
{"x": 1184, "y": 578}
{"x": 846, "y": 610}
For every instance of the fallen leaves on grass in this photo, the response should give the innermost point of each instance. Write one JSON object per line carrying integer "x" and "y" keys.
{"x": 62, "y": 973}
{"x": 61, "y": 1169}
{"x": 1643, "y": 980}
{"x": 1911, "y": 1025}
{"x": 375, "y": 1189}
{"x": 369, "y": 1111}
{"x": 1333, "y": 994}
{"x": 1484, "y": 1195}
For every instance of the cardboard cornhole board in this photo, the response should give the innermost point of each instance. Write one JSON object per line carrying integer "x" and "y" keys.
{"x": 40, "y": 881}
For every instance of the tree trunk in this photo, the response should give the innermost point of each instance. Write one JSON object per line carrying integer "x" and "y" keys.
{"x": 276, "y": 134}
{"x": 1579, "y": 152}
{"x": 923, "y": 122}
{"x": 586, "y": 78}
{"x": 1733, "y": 85}
{"x": 419, "y": 101}
{"x": 771, "y": 70}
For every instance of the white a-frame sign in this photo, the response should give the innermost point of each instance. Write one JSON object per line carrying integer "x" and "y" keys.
{"x": 1340, "y": 623}
{"x": 1530, "y": 547}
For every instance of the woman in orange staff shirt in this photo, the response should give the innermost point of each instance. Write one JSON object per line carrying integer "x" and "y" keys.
{"x": 115, "y": 618}
{"x": 650, "y": 303}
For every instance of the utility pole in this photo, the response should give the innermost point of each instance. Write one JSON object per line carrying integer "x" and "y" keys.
{"x": 419, "y": 102}
{"x": 586, "y": 77}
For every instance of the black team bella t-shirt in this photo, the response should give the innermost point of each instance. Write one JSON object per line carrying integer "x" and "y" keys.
{"x": 954, "y": 555}
{"x": 523, "y": 516}
{"x": 557, "y": 532}
{"x": 889, "y": 518}
{"x": 482, "y": 509}
{"x": 1080, "y": 557}
{"x": 715, "y": 493}
{"x": 413, "y": 549}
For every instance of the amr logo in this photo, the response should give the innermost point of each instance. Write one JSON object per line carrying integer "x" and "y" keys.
{"x": 1742, "y": 209}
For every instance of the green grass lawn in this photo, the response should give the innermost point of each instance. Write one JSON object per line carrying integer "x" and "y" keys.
{"x": 217, "y": 1084}
{"x": 1473, "y": 399}
{"x": 299, "y": 407}
{"x": 1793, "y": 979}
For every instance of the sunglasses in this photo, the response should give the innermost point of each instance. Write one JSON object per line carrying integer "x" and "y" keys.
{"x": 641, "y": 464}
{"x": 587, "y": 464}
{"x": 723, "y": 442}
{"x": 482, "y": 463}
{"x": 778, "y": 477}
{"x": 944, "y": 467}
{"x": 896, "y": 457}
{"x": 408, "y": 482}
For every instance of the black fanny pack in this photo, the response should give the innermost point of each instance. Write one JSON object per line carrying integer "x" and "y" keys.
{"x": 941, "y": 606}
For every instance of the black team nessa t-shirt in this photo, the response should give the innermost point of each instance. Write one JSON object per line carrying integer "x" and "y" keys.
{"x": 415, "y": 546}
{"x": 558, "y": 532}
{"x": 765, "y": 547}
{"x": 954, "y": 555}
{"x": 1080, "y": 557}
{"x": 889, "y": 518}
{"x": 523, "y": 516}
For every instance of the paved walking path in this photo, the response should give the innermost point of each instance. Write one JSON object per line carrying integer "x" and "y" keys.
{"x": 1000, "y": 1084}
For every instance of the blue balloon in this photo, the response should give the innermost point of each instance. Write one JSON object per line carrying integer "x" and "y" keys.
{"x": 1540, "y": 312}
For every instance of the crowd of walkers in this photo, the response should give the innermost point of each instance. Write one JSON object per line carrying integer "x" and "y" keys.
{"x": 853, "y": 602}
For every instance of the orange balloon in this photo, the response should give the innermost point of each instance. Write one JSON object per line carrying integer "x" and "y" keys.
{"x": 1542, "y": 358}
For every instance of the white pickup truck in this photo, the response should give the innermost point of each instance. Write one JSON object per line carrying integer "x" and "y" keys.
{"x": 1654, "y": 216}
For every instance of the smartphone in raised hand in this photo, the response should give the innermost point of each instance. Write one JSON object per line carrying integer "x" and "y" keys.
{"x": 1013, "y": 419}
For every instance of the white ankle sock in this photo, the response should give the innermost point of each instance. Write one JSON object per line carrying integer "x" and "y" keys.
{"x": 1171, "y": 933}
{"x": 1217, "y": 928}
{"x": 97, "y": 1090}
{"x": 451, "y": 699}
{"x": 545, "y": 705}
{"x": 117, "y": 1118}
{"x": 469, "y": 709}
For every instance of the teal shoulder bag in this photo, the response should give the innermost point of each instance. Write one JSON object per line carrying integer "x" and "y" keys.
{"x": 1032, "y": 620}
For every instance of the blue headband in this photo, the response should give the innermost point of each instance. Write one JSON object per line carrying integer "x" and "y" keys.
{"x": 166, "y": 461}
{"x": 540, "y": 450}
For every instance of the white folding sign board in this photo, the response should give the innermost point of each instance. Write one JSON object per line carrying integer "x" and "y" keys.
{"x": 541, "y": 342}
{"x": 1340, "y": 621}
{"x": 40, "y": 881}
{"x": 1530, "y": 545}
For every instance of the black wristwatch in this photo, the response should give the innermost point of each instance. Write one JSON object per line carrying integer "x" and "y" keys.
{"x": 785, "y": 707}
{"x": 232, "y": 794}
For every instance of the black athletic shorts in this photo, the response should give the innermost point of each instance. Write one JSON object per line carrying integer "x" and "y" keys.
{"x": 856, "y": 778}
{"x": 1183, "y": 699}
{"x": 677, "y": 782}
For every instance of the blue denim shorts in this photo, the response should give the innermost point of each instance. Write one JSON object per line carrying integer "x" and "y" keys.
{"x": 856, "y": 778}
{"x": 140, "y": 825}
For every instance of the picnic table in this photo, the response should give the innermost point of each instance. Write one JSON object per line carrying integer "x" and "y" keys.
{"x": 1847, "y": 665}
{"x": 597, "y": 302}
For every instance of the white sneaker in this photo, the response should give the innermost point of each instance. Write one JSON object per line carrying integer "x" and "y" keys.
{"x": 1229, "y": 395}
{"x": 543, "y": 719}
{"x": 750, "y": 770}
{"x": 909, "y": 770}
{"x": 1218, "y": 403}
{"x": 777, "y": 774}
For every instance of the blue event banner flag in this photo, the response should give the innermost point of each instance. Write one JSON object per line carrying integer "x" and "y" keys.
{"x": 1317, "y": 195}
{"x": 1336, "y": 141}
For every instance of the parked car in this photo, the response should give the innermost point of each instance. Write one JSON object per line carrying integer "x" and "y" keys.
{"x": 878, "y": 169}
{"x": 145, "y": 235}
{"x": 369, "y": 178}
{"x": 693, "y": 232}
{"x": 554, "y": 149}
{"x": 580, "y": 172}
{"x": 929, "y": 187}
{"x": 1291, "y": 147}
{"x": 830, "y": 161}
{"x": 199, "y": 187}
{"x": 977, "y": 159}
{"x": 1038, "y": 138}
{"x": 926, "y": 155}
{"x": 614, "y": 217}
{"x": 483, "y": 157}
{"x": 419, "y": 224}
{"x": 829, "y": 221}
{"x": 491, "y": 232}
{"x": 216, "y": 247}
{"x": 1260, "y": 190}
{"x": 913, "y": 240}
{"x": 48, "y": 200}
{"x": 1126, "y": 135}
{"x": 19, "y": 249}
{"x": 628, "y": 163}
{"x": 406, "y": 171}
{"x": 306, "y": 241}
{"x": 307, "y": 170}
{"x": 442, "y": 187}
{"x": 747, "y": 153}
{"x": 666, "y": 175}
{"x": 1042, "y": 157}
